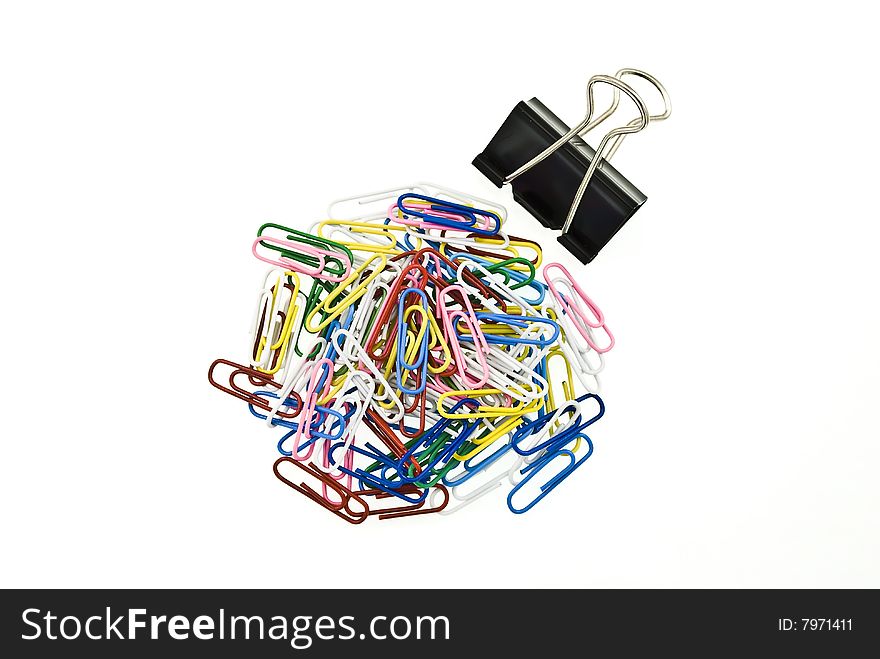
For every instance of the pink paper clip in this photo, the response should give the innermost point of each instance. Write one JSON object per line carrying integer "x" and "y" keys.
{"x": 290, "y": 264}
{"x": 344, "y": 478}
{"x": 573, "y": 306}
{"x": 469, "y": 318}
{"x": 310, "y": 399}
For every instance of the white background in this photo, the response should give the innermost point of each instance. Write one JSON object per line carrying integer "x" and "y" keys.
{"x": 141, "y": 144}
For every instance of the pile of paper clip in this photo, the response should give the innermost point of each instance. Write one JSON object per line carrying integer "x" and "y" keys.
{"x": 405, "y": 354}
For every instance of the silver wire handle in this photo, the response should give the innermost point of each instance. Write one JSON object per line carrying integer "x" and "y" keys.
{"x": 667, "y": 106}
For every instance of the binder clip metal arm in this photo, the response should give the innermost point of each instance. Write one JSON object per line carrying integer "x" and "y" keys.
{"x": 554, "y": 185}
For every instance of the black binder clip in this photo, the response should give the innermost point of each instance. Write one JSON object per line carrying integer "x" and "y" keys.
{"x": 554, "y": 185}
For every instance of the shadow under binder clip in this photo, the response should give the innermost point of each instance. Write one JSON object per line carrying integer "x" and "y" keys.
{"x": 568, "y": 184}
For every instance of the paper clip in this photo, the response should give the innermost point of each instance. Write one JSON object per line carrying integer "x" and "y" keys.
{"x": 302, "y": 252}
{"x": 553, "y": 481}
{"x": 330, "y": 311}
{"x": 467, "y": 316}
{"x": 439, "y": 214}
{"x": 577, "y": 307}
{"x": 346, "y": 496}
{"x": 370, "y": 206}
{"x": 406, "y": 510}
{"x": 420, "y": 362}
{"x": 257, "y": 380}
{"x": 274, "y": 319}
{"x": 550, "y": 425}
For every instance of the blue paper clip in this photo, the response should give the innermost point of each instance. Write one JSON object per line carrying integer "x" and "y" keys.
{"x": 515, "y": 321}
{"x": 536, "y": 467}
{"x": 469, "y": 224}
{"x": 421, "y": 361}
{"x": 439, "y": 205}
{"x": 531, "y": 427}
